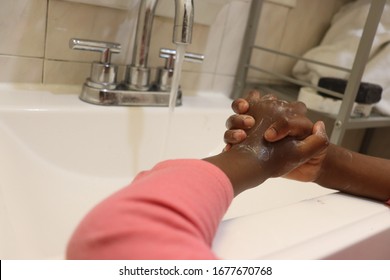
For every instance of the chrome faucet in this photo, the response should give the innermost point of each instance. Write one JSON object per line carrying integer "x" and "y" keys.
{"x": 138, "y": 73}
{"x": 136, "y": 89}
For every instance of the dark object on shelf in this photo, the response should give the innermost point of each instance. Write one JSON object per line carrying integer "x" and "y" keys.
{"x": 367, "y": 94}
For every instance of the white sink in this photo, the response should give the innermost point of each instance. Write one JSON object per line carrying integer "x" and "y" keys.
{"x": 60, "y": 156}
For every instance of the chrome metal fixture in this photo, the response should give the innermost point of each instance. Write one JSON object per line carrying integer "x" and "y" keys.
{"x": 102, "y": 87}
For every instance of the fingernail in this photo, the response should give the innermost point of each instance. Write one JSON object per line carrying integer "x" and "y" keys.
{"x": 241, "y": 107}
{"x": 322, "y": 125}
{"x": 270, "y": 133}
{"x": 248, "y": 122}
{"x": 237, "y": 135}
{"x": 321, "y": 131}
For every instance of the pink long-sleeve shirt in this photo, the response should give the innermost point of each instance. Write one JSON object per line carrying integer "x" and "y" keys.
{"x": 170, "y": 212}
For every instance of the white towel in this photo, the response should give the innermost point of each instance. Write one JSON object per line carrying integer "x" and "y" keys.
{"x": 339, "y": 46}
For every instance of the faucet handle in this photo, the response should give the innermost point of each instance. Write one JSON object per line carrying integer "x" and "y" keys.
{"x": 103, "y": 73}
{"x": 165, "y": 74}
{"x": 106, "y": 48}
{"x": 170, "y": 56}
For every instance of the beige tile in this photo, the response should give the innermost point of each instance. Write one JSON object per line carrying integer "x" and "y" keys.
{"x": 287, "y": 3}
{"x": 72, "y": 20}
{"x": 192, "y": 82}
{"x": 117, "y": 4}
{"x": 20, "y": 69}
{"x": 22, "y": 27}
{"x": 65, "y": 72}
{"x": 70, "y": 72}
{"x": 232, "y": 38}
{"x": 223, "y": 84}
{"x": 269, "y": 35}
{"x": 205, "y": 11}
{"x": 214, "y": 41}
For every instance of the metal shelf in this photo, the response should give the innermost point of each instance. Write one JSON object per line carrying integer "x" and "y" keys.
{"x": 370, "y": 122}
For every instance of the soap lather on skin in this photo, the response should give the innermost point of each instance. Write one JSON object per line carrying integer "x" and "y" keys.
{"x": 263, "y": 151}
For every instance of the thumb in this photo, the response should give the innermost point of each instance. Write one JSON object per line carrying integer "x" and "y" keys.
{"x": 316, "y": 142}
{"x": 298, "y": 127}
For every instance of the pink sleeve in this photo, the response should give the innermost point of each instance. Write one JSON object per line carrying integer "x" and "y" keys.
{"x": 169, "y": 212}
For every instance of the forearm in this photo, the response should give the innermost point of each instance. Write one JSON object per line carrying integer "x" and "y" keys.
{"x": 356, "y": 174}
{"x": 169, "y": 212}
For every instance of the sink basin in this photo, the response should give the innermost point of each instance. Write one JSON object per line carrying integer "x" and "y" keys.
{"x": 61, "y": 156}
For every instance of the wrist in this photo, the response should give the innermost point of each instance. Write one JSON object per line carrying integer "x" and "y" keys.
{"x": 241, "y": 167}
{"x": 326, "y": 176}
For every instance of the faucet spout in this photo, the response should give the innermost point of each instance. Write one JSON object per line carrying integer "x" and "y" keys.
{"x": 184, "y": 20}
{"x": 138, "y": 73}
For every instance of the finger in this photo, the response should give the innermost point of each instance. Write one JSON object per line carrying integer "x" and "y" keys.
{"x": 299, "y": 107}
{"x": 298, "y": 127}
{"x": 234, "y": 136}
{"x": 253, "y": 94}
{"x": 316, "y": 142}
{"x": 240, "y": 122}
{"x": 319, "y": 129}
{"x": 269, "y": 97}
{"x": 253, "y": 97}
{"x": 240, "y": 106}
{"x": 227, "y": 148}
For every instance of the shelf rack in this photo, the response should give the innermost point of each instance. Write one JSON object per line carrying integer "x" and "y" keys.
{"x": 343, "y": 120}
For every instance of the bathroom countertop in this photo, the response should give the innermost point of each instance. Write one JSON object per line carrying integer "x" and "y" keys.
{"x": 333, "y": 226}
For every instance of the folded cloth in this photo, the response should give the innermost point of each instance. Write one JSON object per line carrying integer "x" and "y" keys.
{"x": 339, "y": 47}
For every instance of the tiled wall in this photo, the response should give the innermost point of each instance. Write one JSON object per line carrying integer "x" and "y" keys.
{"x": 35, "y": 35}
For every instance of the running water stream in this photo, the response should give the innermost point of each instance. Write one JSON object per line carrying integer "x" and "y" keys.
{"x": 179, "y": 58}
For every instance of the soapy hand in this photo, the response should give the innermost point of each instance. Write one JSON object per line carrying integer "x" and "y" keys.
{"x": 292, "y": 146}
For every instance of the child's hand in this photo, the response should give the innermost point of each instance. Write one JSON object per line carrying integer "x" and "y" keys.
{"x": 294, "y": 124}
{"x": 291, "y": 124}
